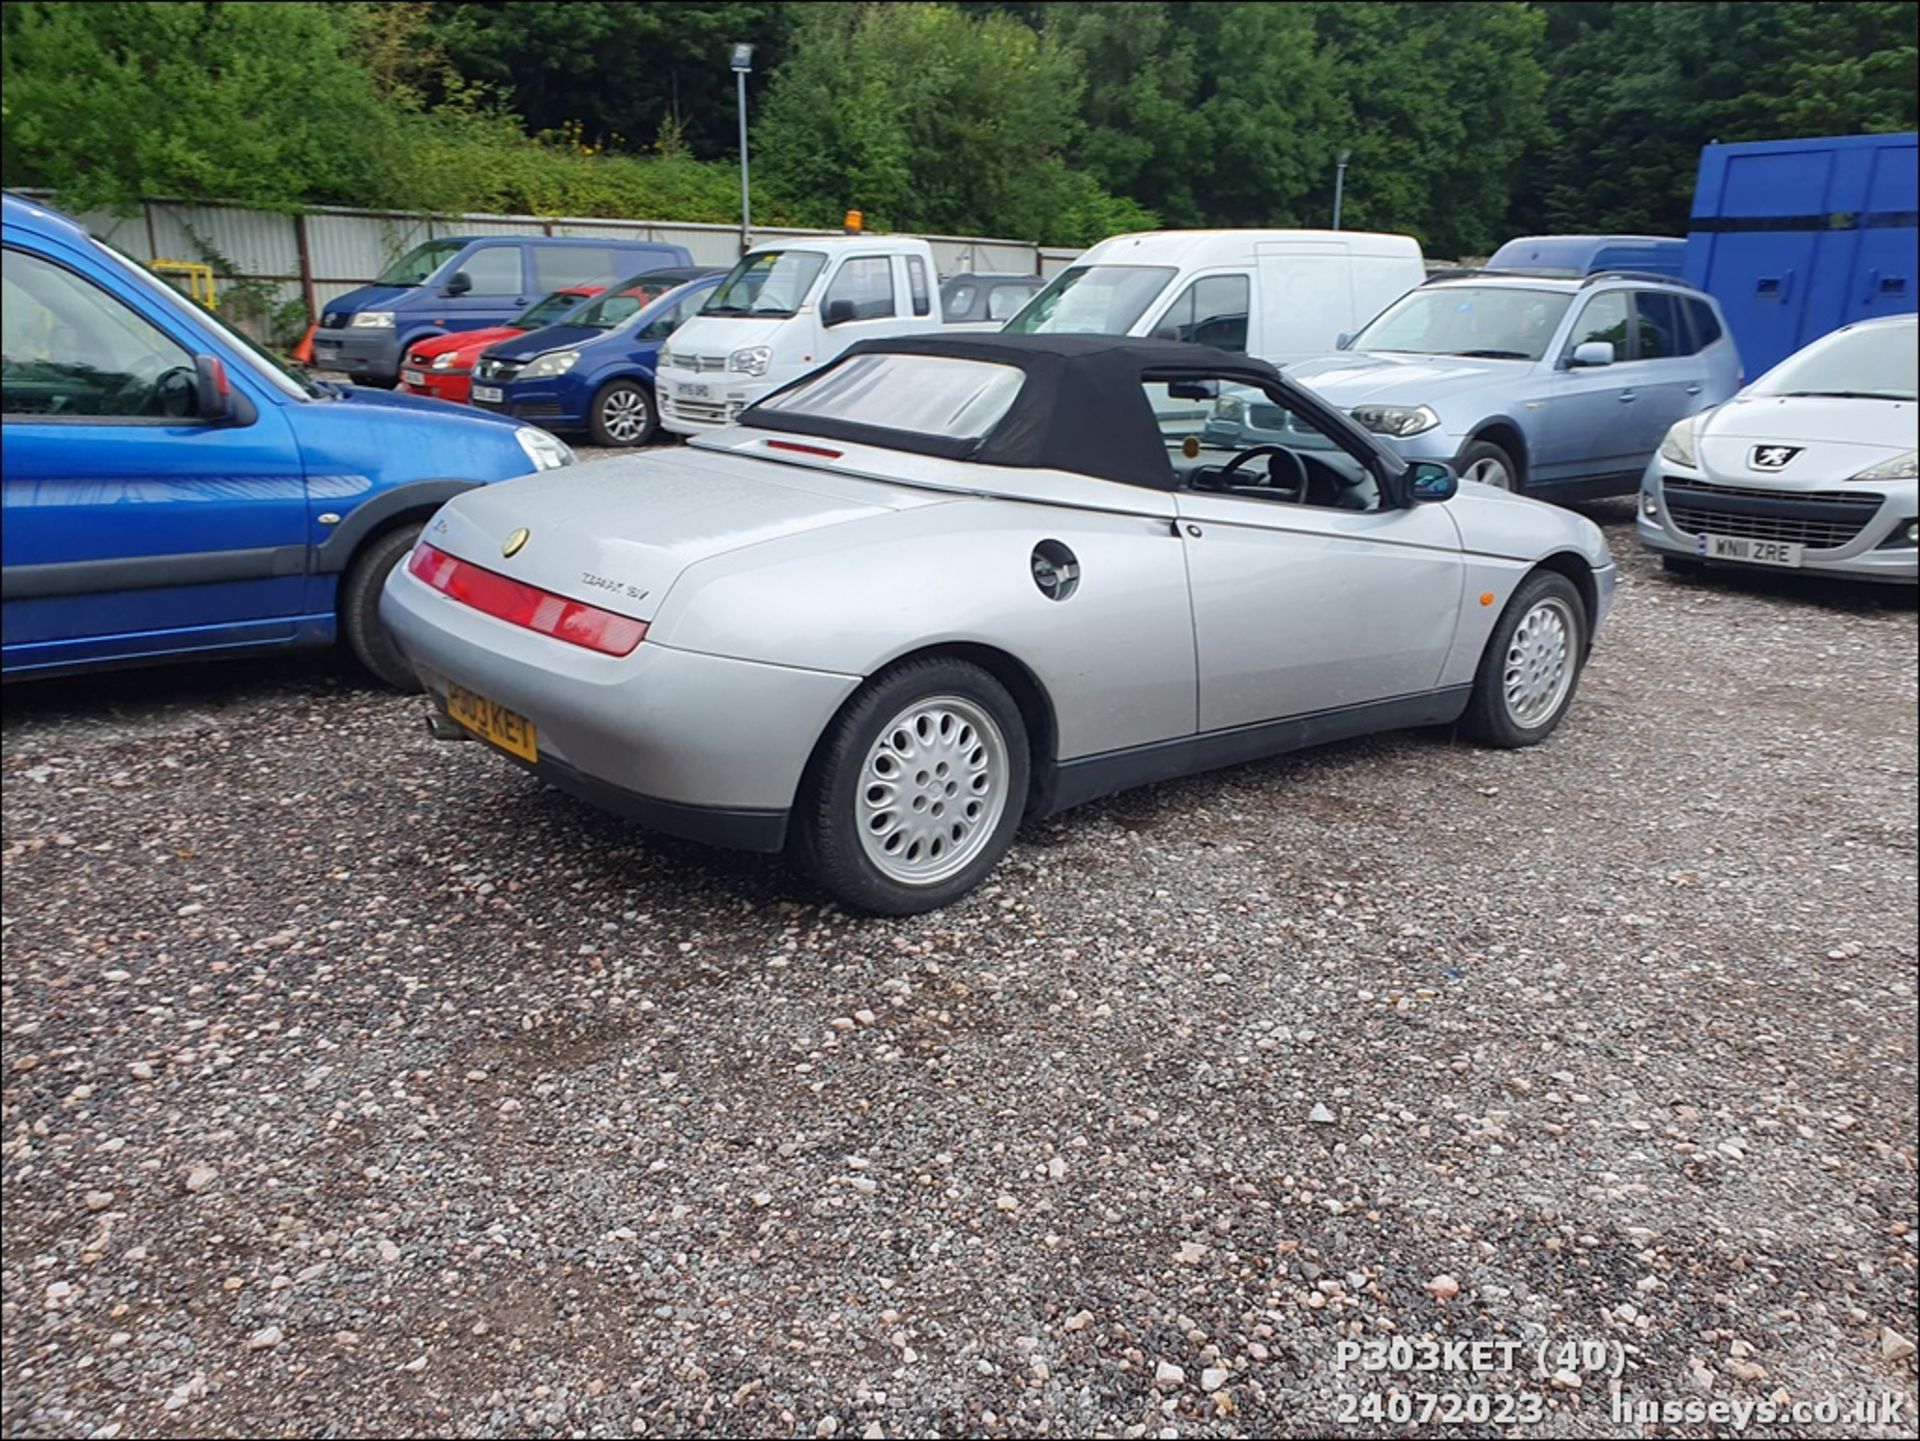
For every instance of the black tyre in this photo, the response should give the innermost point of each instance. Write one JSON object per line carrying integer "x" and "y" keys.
{"x": 1490, "y": 465}
{"x": 623, "y": 414}
{"x": 916, "y": 789}
{"x": 360, "y": 621}
{"x": 1531, "y": 667}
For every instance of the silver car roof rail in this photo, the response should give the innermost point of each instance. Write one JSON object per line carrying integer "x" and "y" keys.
{"x": 1466, "y": 271}
{"x": 1653, "y": 275}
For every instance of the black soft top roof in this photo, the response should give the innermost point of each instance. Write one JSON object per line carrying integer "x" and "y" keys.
{"x": 1081, "y": 408}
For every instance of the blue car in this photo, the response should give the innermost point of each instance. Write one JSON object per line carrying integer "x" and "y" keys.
{"x": 172, "y": 490}
{"x": 594, "y": 372}
{"x": 465, "y": 282}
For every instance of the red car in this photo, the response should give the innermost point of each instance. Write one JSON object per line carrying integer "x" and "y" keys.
{"x": 442, "y": 367}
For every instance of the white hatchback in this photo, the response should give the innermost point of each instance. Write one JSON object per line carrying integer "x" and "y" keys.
{"x": 1812, "y": 467}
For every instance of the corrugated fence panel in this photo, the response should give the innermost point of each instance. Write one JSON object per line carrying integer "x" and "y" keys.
{"x": 348, "y": 247}
{"x": 249, "y": 242}
{"x": 359, "y": 247}
{"x": 127, "y": 233}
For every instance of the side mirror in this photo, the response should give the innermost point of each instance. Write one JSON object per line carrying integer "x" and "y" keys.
{"x": 1592, "y": 352}
{"x": 838, "y": 312}
{"x": 212, "y": 392}
{"x": 459, "y": 283}
{"x": 1430, "y": 480}
{"x": 1343, "y": 340}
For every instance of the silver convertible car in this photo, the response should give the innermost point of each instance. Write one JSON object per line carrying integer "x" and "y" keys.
{"x": 944, "y": 583}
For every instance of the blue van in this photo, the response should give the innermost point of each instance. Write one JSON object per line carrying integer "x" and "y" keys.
{"x": 594, "y": 370}
{"x": 1581, "y": 255}
{"x": 464, "y": 283}
{"x": 172, "y": 490}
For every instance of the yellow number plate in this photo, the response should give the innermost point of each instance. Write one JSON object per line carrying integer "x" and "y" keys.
{"x": 507, "y": 729}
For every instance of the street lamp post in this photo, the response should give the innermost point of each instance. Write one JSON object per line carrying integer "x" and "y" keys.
{"x": 1339, "y": 184}
{"x": 742, "y": 63}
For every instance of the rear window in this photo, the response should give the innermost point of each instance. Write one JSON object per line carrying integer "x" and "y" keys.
{"x": 934, "y": 395}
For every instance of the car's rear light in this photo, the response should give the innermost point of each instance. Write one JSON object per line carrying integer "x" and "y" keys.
{"x": 518, "y": 603}
{"x": 800, "y": 449}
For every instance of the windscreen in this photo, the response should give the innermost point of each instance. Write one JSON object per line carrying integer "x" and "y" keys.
{"x": 1875, "y": 363}
{"x": 1092, "y": 300}
{"x": 1491, "y": 322}
{"x": 548, "y": 311}
{"x": 624, "y": 301}
{"x": 420, "y": 262}
{"x": 768, "y": 282}
{"x": 933, "y": 395}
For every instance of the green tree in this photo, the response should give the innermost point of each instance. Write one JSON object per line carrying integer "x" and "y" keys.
{"x": 1638, "y": 89}
{"x": 110, "y": 101}
{"x": 925, "y": 118}
{"x": 623, "y": 72}
{"x": 1441, "y": 106}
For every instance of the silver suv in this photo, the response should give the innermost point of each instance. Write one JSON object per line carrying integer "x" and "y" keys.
{"x": 1561, "y": 388}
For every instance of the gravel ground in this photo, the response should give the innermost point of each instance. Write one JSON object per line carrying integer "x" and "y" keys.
{"x": 356, "y": 1084}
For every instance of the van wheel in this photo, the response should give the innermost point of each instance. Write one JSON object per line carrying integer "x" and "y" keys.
{"x": 1489, "y": 464}
{"x": 916, "y": 789}
{"x": 360, "y": 620}
{"x": 622, "y": 414}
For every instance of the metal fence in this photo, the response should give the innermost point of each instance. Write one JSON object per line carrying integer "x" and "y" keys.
{"x": 319, "y": 255}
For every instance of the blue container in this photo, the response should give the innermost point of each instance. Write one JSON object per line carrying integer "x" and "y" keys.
{"x": 1797, "y": 237}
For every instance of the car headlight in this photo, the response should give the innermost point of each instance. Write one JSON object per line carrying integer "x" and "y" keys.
{"x": 1678, "y": 445}
{"x": 1398, "y": 420}
{"x": 554, "y": 362}
{"x": 547, "y": 452}
{"x": 444, "y": 360}
{"x": 372, "y": 320}
{"x": 752, "y": 361}
{"x": 1901, "y": 467}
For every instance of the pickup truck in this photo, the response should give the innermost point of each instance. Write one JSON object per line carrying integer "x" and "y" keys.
{"x": 789, "y": 307}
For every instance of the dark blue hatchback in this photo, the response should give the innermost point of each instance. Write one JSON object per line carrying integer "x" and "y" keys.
{"x": 595, "y": 372}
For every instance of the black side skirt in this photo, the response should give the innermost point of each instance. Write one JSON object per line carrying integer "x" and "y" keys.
{"x": 1075, "y": 782}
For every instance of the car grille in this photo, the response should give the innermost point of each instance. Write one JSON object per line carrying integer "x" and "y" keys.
{"x": 1819, "y": 520}
{"x": 491, "y": 369}
{"x": 695, "y": 363}
{"x": 700, "y": 412}
{"x": 537, "y": 409}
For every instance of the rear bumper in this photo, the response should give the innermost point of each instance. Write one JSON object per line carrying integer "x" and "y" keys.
{"x": 358, "y": 352}
{"x": 695, "y": 745}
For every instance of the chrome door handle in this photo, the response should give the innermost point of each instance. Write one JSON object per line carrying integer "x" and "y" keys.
{"x": 1693, "y": 390}
{"x": 1627, "y": 395}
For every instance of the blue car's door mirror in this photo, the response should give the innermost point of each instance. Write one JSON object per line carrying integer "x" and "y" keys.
{"x": 459, "y": 283}
{"x": 212, "y": 392}
{"x": 1430, "y": 480}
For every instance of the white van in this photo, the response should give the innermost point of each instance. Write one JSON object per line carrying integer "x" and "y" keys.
{"x": 1277, "y": 294}
{"x": 786, "y": 308}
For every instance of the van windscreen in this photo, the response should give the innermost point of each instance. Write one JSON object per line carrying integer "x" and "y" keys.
{"x": 1093, "y": 300}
